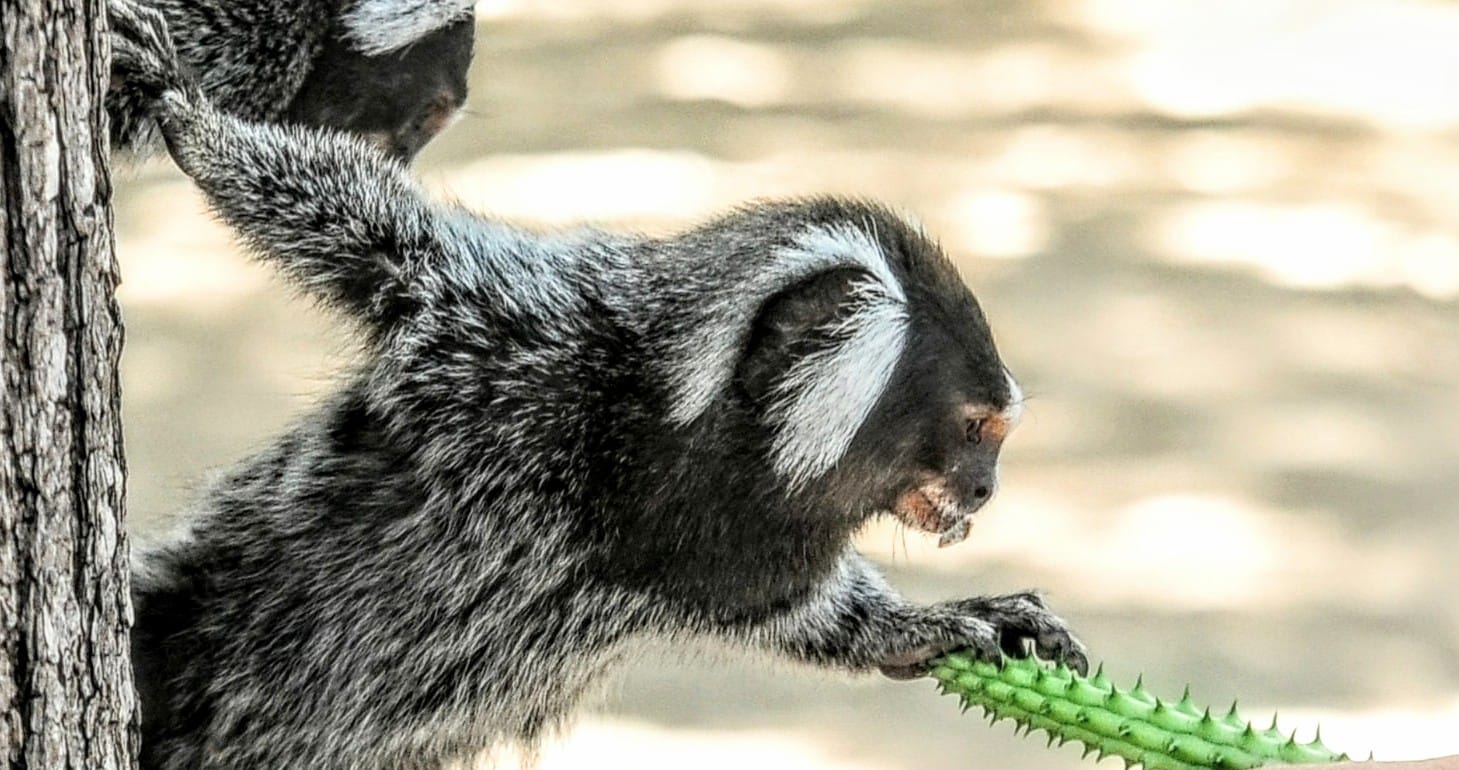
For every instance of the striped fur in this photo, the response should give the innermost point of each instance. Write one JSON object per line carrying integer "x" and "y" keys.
{"x": 556, "y": 448}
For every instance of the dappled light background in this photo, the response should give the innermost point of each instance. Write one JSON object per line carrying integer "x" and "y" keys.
{"x": 1218, "y": 242}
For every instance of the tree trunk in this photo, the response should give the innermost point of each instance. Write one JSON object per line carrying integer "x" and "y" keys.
{"x": 65, "y": 675}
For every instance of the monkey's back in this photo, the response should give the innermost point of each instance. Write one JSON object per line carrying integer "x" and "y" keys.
{"x": 326, "y": 608}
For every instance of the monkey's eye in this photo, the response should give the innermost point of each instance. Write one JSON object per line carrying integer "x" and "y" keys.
{"x": 975, "y": 431}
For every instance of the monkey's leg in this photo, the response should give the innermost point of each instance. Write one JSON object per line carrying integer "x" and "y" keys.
{"x": 857, "y": 621}
{"x": 333, "y": 213}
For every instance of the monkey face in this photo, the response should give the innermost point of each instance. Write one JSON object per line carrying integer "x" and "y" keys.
{"x": 954, "y": 405}
{"x": 876, "y": 385}
{"x": 928, "y": 453}
{"x": 397, "y": 100}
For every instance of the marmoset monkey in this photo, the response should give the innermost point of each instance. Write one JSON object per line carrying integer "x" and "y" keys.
{"x": 557, "y": 447}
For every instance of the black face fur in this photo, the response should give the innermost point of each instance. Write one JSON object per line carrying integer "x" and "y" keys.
{"x": 398, "y": 100}
{"x": 928, "y": 452}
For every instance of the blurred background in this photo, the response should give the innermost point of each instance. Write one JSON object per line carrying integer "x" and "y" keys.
{"x": 1219, "y": 245}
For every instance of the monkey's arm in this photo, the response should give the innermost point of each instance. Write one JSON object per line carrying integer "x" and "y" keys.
{"x": 250, "y": 57}
{"x": 857, "y": 621}
{"x": 334, "y": 214}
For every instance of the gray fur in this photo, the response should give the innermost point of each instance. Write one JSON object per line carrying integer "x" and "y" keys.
{"x": 324, "y": 63}
{"x": 381, "y": 26}
{"x": 546, "y": 458}
{"x": 249, "y": 56}
{"x": 704, "y": 354}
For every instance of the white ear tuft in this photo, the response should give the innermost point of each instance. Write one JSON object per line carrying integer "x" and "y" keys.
{"x": 1014, "y": 412}
{"x": 826, "y": 397}
{"x": 381, "y": 26}
{"x": 708, "y": 353}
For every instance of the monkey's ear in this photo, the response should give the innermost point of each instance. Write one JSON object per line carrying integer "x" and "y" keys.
{"x": 793, "y": 323}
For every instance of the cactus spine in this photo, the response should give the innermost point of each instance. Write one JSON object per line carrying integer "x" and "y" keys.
{"x": 1131, "y": 724}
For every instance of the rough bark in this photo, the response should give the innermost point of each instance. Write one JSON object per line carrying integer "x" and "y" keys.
{"x": 65, "y": 677}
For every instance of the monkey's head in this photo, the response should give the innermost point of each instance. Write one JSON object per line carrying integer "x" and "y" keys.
{"x": 394, "y": 74}
{"x": 936, "y": 435}
{"x": 873, "y": 375}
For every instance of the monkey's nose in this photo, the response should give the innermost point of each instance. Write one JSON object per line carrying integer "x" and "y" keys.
{"x": 977, "y": 497}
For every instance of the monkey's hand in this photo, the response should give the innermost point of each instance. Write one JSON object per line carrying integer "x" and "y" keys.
{"x": 337, "y": 216}
{"x": 146, "y": 71}
{"x": 859, "y": 622}
{"x": 991, "y": 627}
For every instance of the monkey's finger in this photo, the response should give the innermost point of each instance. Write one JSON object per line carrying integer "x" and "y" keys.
{"x": 1078, "y": 661}
{"x": 983, "y": 638}
{"x": 1059, "y": 648}
{"x": 1026, "y": 624}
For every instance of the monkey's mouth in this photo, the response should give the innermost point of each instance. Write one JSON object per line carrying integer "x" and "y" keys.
{"x": 930, "y": 507}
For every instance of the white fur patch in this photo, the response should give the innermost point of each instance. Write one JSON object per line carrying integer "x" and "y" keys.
{"x": 382, "y": 26}
{"x": 712, "y": 347}
{"x": 1014, "y": 412}
{"x": 855, "y": 582}
{"x": 828, "y": 396}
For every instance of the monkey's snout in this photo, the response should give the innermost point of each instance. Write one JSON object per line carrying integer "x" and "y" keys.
{"x": 933, "y": 508}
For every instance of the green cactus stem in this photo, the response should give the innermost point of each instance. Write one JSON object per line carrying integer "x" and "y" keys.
{"x": 1131, "y": 724}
